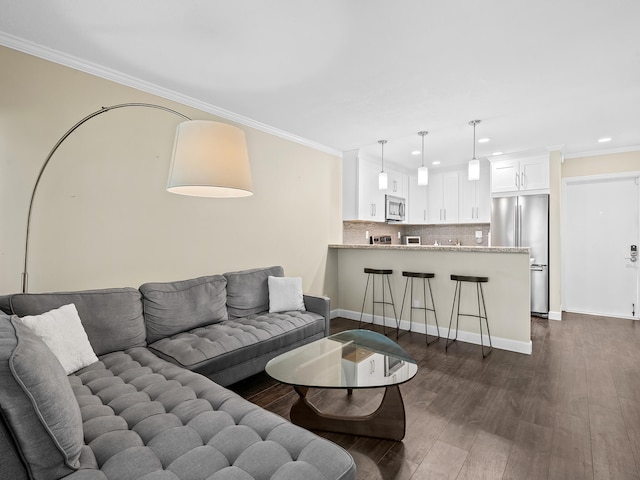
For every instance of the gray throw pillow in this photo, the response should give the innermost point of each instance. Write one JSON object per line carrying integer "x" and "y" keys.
{"x": 248, "y": 291}
{"x": 38, "y": 404}
{"x": 175, "y": 307}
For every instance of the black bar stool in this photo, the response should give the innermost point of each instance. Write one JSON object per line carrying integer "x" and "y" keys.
{"x": 459, "y": 279}
{"x": 426, "y": 284}
{"x": 371, "y": 275}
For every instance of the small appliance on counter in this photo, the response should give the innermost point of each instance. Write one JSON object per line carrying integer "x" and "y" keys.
{"x": 411, "y": 240}
{"x": 381, "y": 240}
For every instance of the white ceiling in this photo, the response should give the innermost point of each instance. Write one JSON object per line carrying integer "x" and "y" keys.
{"x": 345, "y": 73}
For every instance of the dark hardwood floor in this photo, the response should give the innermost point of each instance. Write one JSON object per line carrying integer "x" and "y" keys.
{"x": 569, "y": 410}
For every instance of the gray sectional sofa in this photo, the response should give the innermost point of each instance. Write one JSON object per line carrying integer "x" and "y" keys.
{"x": 146, "y": 409}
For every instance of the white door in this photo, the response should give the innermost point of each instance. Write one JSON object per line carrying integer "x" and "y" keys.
{"x": 601, "y": 225}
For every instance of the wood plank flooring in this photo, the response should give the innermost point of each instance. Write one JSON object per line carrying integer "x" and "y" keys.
{"x": 571, "y": 410}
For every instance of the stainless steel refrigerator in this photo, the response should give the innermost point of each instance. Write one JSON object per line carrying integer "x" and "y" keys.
{"x": 523, "y": 221}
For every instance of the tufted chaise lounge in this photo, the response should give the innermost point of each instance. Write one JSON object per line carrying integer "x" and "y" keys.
{"x": 134, "y": 415}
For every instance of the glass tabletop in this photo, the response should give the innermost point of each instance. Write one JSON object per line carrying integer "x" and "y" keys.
{"x": 350, "y": 359}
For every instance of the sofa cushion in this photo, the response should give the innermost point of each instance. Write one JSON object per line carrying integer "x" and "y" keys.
{"x": 38, "y": 403}
{"x": 166, "y": 422}
{"x": 225, "y": 344}
{"x": 62, "y": 331}
{"x": 174, "y": 307}
{"x": 111, "y": 317}
{"x": 248, "y": 291}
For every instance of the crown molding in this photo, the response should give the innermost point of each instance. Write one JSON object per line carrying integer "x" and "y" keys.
{"x": 76, "y": 63}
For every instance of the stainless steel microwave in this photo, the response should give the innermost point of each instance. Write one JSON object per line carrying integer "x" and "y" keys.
{"x": 394, "y": 208}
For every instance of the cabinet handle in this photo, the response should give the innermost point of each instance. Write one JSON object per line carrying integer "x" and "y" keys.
{"x": 424, "y": 215}
{"x": 517, "y": 180}
{"x": 523, "y": 180}
{"x": 445, "y": 214}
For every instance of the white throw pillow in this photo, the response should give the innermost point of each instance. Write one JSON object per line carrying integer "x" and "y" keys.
{"x": 285, "y": 294}
{"x": 62, "y": 331}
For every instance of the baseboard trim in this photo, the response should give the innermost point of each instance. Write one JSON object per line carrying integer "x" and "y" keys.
{"x": 555, "y": 315}
{"x": 463, "y": 336}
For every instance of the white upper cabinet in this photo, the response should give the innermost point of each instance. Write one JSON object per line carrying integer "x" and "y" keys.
{"x": 397, "y": 183}
{"x": 370, "y": 197}
{"x": 417, "y": 202}
{"x": 522, "y": 175}
{"x": 475, "y": 197}
{"x": 443, "y": 201}
{"x": 361, "y": 197}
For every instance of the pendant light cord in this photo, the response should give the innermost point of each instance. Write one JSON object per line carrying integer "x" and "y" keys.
{"x": 382, "y": 142}
{"x": 422, "y": 134}
{"x": 473, "y": 123}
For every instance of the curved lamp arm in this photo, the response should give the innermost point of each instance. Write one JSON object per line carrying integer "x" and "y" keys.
{"x": 53, "y": 150}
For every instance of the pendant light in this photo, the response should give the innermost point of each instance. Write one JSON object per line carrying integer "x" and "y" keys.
{"x": 382, "y": 177}
{"x": 474, "y": 164}
{"x": 423, "y": 172}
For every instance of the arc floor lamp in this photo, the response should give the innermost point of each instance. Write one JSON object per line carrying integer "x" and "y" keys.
{"x": 209, "y": 159}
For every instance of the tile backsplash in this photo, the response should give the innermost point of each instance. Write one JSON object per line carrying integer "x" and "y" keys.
{"x": 354, "y": 233}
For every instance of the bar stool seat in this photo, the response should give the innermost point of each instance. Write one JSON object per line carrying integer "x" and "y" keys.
{"x": 371, "y": 275}
{"x": 482, "y": 309}
{"x": 426, "y": 284}
{"x": 469, "y": 278}
{"x": 377, "y": 271}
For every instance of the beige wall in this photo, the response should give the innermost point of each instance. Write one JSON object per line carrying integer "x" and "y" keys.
{"x": 601, "y": 164}
{"x": 102, "y": 216}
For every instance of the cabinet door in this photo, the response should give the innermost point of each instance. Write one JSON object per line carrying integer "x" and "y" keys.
{"x": 450, "y": 197}
{"x": 417, "y": 201}
{"x": 468, "y": 199}
{"x": 504, "y": 176}
{"x": 475, "y": 197}
{"x": 534, "y": 173}
{"x": 443, "y": 198}
{"x": 370, "y": 197}
{"x": 483, "y": 197}
{"x": 434, "y": 198}
{"x": 396, "y": 184}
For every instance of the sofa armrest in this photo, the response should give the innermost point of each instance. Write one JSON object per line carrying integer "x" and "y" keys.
{"x": 320, "y": 305}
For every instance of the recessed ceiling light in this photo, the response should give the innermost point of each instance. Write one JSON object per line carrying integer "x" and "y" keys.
{"x": 604, "y": 139}
{"x": 496, "y": 153}
{"x": 415, "y": 152}
{"x": 435, "y": 162}
{"x": 484, "y": 140}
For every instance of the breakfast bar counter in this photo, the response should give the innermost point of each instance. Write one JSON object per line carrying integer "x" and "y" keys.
{"x": 507, "y": 293}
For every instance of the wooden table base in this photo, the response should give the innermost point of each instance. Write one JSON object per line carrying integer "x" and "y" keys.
{"x": 388, "y": 421}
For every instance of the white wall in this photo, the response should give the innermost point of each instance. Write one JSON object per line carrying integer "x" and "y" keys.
{"x": 102, "y": 216}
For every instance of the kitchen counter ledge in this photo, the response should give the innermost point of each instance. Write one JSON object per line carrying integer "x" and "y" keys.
{"x": 433, "y": 248}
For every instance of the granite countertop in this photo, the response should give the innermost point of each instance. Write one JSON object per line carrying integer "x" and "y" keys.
{"x": 434, "y": 248}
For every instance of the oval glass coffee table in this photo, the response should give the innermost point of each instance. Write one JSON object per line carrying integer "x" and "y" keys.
{"x": 349, "y": 360}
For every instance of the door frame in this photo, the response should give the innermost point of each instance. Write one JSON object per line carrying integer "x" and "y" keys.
{"x": 563, "y": 229}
